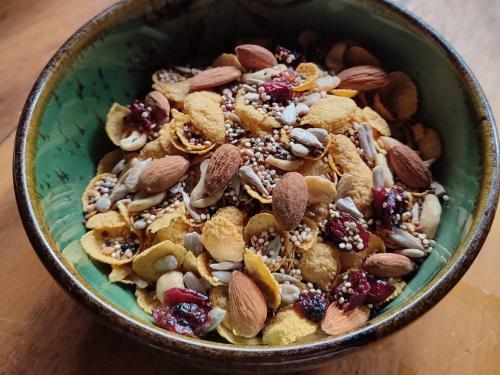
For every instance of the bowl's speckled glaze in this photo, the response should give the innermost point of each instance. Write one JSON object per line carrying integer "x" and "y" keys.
{"x": 61, "y": 137}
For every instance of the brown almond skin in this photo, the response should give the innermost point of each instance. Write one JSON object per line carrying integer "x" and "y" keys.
{"x": 337, "y": 322}
{"x": 388, "y": 265}
{"x": 247, "y": 306}
{"x": 253, "y": 56}
{"x": 290, "y": 200}
{"x": 161, "y": 174}
{"x": 160, "y": 107}
{"x": 363, "y": 78}
{"x": 409, "y": 167}
{"x": 222, "y": 167}
{"x": 214, "y": 77}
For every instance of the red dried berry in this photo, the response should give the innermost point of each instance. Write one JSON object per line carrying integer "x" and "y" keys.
{"x": 141, "y": 116}
{"x": 389, "y": 204}
{"x": 312, "y": 305}
{"x": 279, "y": 91}
{"x": 185, "y": 312}
{"x": 344, "y": 229}
{"x": 380, "y": 290}
{"x": 352, "y": 291}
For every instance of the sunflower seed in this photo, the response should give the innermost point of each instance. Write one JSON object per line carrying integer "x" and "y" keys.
{"x": 366, "y": 141}
{"x": 192, "y": 242}
{"x": 411, "y": 253}
{"x": 299, "y": 149}
{"x": 381, "y": 161}
{"x": 306, "y": 138}
{"x": 217, "y": 315}
{"x": 103, "y": 204}
{"x": 319, "y": 133}
{"x": 310, "y": 99}
{"x": 166, "y": 264}
{"x": 191, "y": 281}
{"x": 140, "y": 224}
{"x": 405, "y": 240}
{"x": 226, "y": 266}
{"x": 132, "y": 178}
{"x": 248, "y": 175}
{"x": 119, "y": 167}
{"x": 282, "y": 277}
{"x": 222, "y": 276}
{"x": 346, "y": 204}
{"x": 301, "y": 109}
{"x": 143, "y": 201}
{"x": 289, "y": 116}
{"x": 344, "y": 186}
{"x": 378, "y": 176}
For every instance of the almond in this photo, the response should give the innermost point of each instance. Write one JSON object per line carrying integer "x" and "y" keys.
{"x": 409, "y": 167}
{"x": 252, "y": 56}
{"x": 290, "y": 200}
{"x": 161, "y": 174}
{"x": 160, "y": 107}
{"x": 247, "y": 306}
{"x": 214, "y": 77}
{"x": 337, "y": 322}
{"x": 363, "y": 78}
{"x": 388, "y": 265}
{"x": 222, "y": 167}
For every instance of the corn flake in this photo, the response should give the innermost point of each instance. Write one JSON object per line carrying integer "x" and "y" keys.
{"x": 321, "y": 265}
{"x": 203, "y": 107}
{"x": 377, "y": 122}
{"x": 144, "y": 263}
{"x": 287, "y": 327}
{"x": 107, "y": 220}
{"x": 261, "y": 275}
{"x": 223, "y": 240}
{"x": 93, "y": 241}
{"x": 116, "y": 127}
{"x": 333, "y": 113}
{"x": 203, "y": 266}
{"x": 147, "y": 300}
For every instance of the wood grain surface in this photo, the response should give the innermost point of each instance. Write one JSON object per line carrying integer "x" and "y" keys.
{"x": 43, "y": 331}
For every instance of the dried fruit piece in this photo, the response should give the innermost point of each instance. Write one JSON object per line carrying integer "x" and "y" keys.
{"x": 409, "y": 167}
{"x": 352, "y": 289}
{"x": 290, "y": 200}
{"x": 280, "y": 92}
{"x": 161, "y": 174}
{"x": 389, "y": 204}
{"x": 347, "y": 232}
{"x": 363, "y": 78}
{"x": 253, "y": 56}
{"x": 247, "y": 306}
{"x": 185, "y": 312}
{"x": 222, "y": 167}
{"x": 380, "y": 290}
{"x": 389, "y": 265}
{"x": 312, "y": 305}
{"x": 337, "y": 321}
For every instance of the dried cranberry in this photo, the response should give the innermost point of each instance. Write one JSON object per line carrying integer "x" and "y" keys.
{"x": 279, "y": 91}
{"x": 175, "y": 296}
{"x": 344, "y": 231}
{"x": 389, "y": 204}
{"x": 312, "y": 305}
{"x": 352, "y": 290}
{"x": 185, "y": 312}
{"x": 379, "y": 291}
{"x": 140, "y": 115}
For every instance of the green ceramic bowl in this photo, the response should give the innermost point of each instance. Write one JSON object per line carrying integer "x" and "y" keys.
{"x": 61, "y": 137}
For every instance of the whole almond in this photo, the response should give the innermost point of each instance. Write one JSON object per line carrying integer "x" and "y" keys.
{"x": 222, "y": 167}
{"x": 409, "y": 167}
{"x": 214, "y": 77}
{"x": 247, "y": 306}
{"x": 363, "y": 78}
{"x": 290, "y": 200}
{"x": 160, "y": 107}
{"x": 161, "y": 174}
{"x": 337, "y": 322}
{"x": 388, "y": 265}
{"x": 252, "y": 56}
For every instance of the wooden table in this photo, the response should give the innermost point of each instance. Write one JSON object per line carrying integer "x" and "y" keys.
{"x": 43, "y": 331}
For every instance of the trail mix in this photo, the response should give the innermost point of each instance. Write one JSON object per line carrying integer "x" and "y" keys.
{"x": 273, "y": 197}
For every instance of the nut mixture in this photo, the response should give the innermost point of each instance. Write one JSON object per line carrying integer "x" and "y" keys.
{"x": 275, "y": 196}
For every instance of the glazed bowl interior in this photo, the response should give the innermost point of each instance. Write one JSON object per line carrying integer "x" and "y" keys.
{"x": 113, "y": 59}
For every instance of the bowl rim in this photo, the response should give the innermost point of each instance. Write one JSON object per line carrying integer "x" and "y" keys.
{"x": 379, "y": 327}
